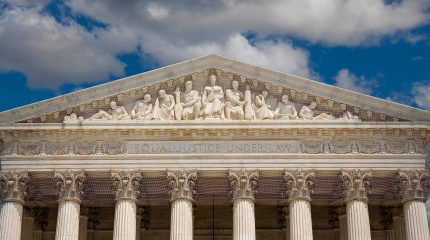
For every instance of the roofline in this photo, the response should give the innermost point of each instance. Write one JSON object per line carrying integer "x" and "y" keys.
{"x": 137, "y": 81}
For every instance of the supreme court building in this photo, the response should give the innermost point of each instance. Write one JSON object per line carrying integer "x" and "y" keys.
{"x": 214, "y": 148}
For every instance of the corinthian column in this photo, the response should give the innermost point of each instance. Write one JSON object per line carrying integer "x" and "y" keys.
{"x": 182, "y": 187}
{"x": 414, "y": 196}
{"x": 71, "y": 185}
{"x": 126, "y": 185}
{"x": 243, "y": 183}
{"x": 357, "y": 212}
{"x": 14, "y": 189}
{"x": 299, "y": 183}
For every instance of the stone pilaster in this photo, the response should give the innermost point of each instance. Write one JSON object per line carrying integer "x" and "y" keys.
{"x": 398, "y": 223}
{"x": 126, "y": 185}
{"x": 182, "y": 188}
{"x": 14, "y": 189}
{"x": 299, "y": 183}
{"x": 40, "y": 222}
{"x": 71, "y": 186}
{"x": 27, "y": 224}
{"x": 83, "y": 224}
{"x": 356, "y": 183}
{"x": 243, "y": 183}
{"x": 412, "y": 184}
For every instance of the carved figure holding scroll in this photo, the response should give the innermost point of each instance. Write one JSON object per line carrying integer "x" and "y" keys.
{"x": 188, "y": 103}
{"x": 234, "y": 105}
{"x": 164, "y": 106}
{"x": 286, "y": 110}
{"x": 116, "y": 113}
{"x": 212, "y": 100}
{"x": 142, "y": 110}
{"x": 307, "y": 113}
{"x": 262, "y": 111}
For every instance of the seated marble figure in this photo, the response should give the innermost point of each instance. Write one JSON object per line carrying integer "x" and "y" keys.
{"x": 307, "y": 113}
{"x": 213, "y": 100}
{"x": 286, "y": 110}
{"x": 188, "y": 103}
{"x": 164, "y": 107}
{"x": 234, "y": 104}
{"x": 116, "y": 113}
{"x": 261, "y": 109}
{"x": 142, "y": 110}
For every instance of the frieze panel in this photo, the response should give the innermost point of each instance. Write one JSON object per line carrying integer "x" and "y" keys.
{"x": 98, "y": 147}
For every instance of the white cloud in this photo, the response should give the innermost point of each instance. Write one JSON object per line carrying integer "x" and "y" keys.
{"x": 157, "y": 11}
{"x": 51, "y": 54}
{"x": 346, "y": 79}
{"x": 421, "y": 94}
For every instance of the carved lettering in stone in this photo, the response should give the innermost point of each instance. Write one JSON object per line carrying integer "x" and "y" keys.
{"x": 413, "y": 185}
{"x": 71, "y": 184}
{"x": 243, "y": 183}
{"x": 182, "y": 183}
{"x": 356, "y": 184}
{"x": 126, "y": 184}
{"x": 299, "y": 183}
{"x": 14, "y": 185}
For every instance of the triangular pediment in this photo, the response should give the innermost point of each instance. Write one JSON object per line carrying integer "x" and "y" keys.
{"x": 126, "y": 92}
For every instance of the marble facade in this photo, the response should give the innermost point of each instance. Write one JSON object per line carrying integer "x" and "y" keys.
{"x": 213, "y": 148}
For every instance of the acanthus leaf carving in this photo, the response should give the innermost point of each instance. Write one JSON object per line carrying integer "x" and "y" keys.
{"x": 14, "y": 185}
{"x": 413, "y": 185}
{"x": 70, "y": 184}
{"x": 182, "y": 183}
{"x": 243, "y": 183}
{"x": 126, "y": 184}
{"x": 356, "y": 183}
{"x": 299, "y": 183}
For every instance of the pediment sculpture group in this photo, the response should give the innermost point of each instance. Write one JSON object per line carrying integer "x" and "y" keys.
{"x": 213, "y": 103}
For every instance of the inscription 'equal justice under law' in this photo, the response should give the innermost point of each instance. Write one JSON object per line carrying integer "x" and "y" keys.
{"x": 164, "y": 147}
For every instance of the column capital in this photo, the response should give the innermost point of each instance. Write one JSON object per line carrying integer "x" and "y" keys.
{"x": 243, "y": 183}
{"x": 299, "y": 184}
{"x": 71, "y": 184}
{"x": 126, "y": 184}
{"x": 356, "y": 183}
{"x": 14, "y": 185}
{"x": 413, "y": 185}
{"x": 182, "y": 183}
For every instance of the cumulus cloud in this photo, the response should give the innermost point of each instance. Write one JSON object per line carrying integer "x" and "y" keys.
{"x": 421, "y": 94}
{"x": 51, "y": 54}
{"x": 346, "y": 79}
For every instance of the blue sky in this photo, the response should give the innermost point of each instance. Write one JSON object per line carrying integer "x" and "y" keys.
{"x": 377, "y": 47}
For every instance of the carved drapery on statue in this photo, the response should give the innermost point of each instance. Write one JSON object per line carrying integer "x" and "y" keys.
{"x": 299, "y": 183}
{"x": 126, "y": 183}
{"x": 356, "y": 183}
{"x": 243, "y": 183}
{"x": 71, "y": 184}
{"x": 14, "y": 185}
{"x": 413, "y": 185}
{"x": 182, "y": 184}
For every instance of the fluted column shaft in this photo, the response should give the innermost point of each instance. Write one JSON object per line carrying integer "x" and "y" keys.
{"x": 68, "y": 220}
{"x": 416, "y": 222}
{"x": 300, "y": 220}
{"x": 83, "y": 227}
{"x": 27, "y": 228}
{"x": 181, "y": 220}
{"x": 125, "y": 220}
{"x": 399, "y": 228}
{"x": 243, "y": 219}
{"x": 358, "y": 220}
{"x": 11, "y": 220}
